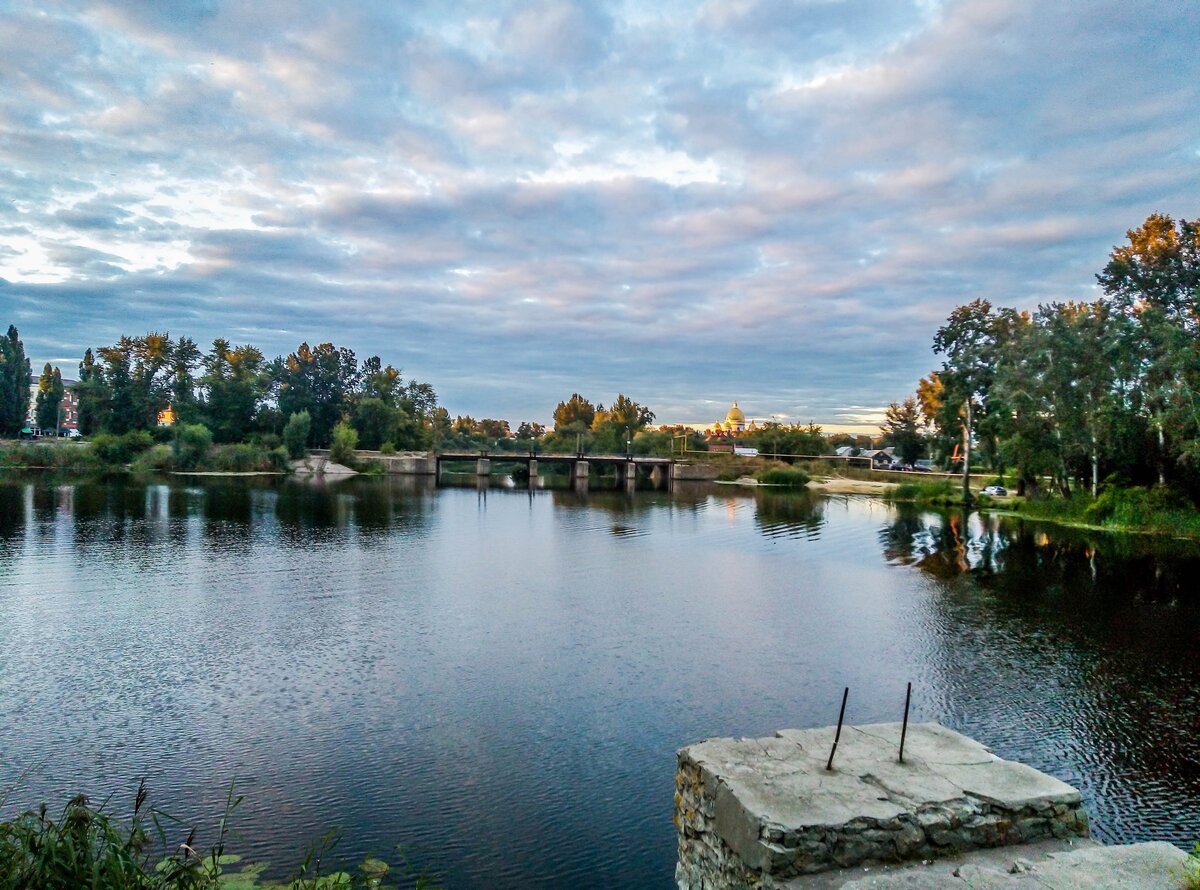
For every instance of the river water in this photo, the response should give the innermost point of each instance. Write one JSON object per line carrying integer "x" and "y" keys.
{"x": 498, "y": 679}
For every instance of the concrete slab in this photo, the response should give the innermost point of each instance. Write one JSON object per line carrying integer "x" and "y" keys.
{"x": 753, "y": 810}
{"x": 1060, "y": 865}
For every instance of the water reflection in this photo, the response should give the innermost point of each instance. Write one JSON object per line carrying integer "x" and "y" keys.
{"x": 434, "y": 665}
{"x": 1073, "y": 651}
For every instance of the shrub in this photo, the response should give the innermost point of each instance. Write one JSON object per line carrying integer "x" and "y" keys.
{"x": 387, "y": 448}
{"x": 295, "y": 434}
{"x": 158, "y": 458}
{"x": 240, "y": 458}
{"x": 345, "y": 440}
{"x": 194, "y": 442}
{"x": 789, "y": 476}
{"x": 119, "y": 450}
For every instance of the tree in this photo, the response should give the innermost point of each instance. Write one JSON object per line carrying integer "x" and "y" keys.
{"x": 901, "y": 429}
{"x": 49, "y": 399}
{"x": 576, "y": 412}
{"x": 91, "y": 394}
{"x": 295, "y": 434}
{"x": 1154, "y": 282}
{"x": 15, "y": 379}
{"x": 184, "y": 358}
{"x": 530, "y": 431}
{"x": 317, "y": 380}
{"x": 235, "y": 383}
{"x": 970, "y": 340}
{"x": 344, "y": 440}
{"x": 137, "y": 381}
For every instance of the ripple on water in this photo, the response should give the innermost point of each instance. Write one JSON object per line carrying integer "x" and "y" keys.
{"x": 499, "y": 680}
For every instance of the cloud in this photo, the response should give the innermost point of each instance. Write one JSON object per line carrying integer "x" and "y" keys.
{"x": 771, "y": 201}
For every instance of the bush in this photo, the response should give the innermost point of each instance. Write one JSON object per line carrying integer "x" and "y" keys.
{"x": 345, "y": 440}
{"x": 387, "y": 448}
{"x": 194, "y": 442}
{"x": 158, "y": 458}
{"x": 119, "y": 450}
{"x": 295, "y": 434}
{"x": 790, "y": 477}
{"x": 240, "y": 458}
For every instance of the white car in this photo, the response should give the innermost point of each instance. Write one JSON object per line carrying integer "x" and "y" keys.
{"x": 996, "y": 491}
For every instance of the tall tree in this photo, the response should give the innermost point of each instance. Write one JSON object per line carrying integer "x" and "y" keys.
{"x": 92, "y": 394}
{"x": 15, "y": 379}
{"x": 1154, "y": 282}
{"x": 970, "y": 341}
{"x": 902, "y": 430}
{"x": 235, "y": 383}
{"x": 574, "y": 412}
{"x": 49, "y": 399}
{"x": 320, "y": 381}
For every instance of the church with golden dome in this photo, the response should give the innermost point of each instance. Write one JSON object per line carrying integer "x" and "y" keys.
{"x": 733, "y": 424}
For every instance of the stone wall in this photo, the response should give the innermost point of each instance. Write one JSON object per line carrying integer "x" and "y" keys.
{"x": 739, "y": 826}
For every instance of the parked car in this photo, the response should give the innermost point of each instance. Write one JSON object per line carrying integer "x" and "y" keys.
{"x": 996, "y": 491}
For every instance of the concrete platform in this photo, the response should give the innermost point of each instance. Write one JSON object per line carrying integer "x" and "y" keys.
{"x": 759, "y": 812}
{"x": 1051, "y": 865}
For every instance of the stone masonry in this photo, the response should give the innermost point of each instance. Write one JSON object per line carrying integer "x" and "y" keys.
{"x": 755, "y": 813}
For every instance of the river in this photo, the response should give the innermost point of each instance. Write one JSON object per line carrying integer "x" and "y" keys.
{"x": 498, "y": 679}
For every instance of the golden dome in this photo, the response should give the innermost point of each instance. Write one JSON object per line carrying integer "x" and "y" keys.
{"x": 735, "y": 415}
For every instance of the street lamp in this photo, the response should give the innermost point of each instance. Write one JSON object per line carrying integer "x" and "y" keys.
{"x": 629, "y": 443}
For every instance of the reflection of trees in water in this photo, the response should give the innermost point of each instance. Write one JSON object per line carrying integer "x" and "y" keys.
{"x": 790, "y": 514}
{"x": 368, "y": 506}
{"x": 999, "y": 549}
{"x": 1072, "y": 651}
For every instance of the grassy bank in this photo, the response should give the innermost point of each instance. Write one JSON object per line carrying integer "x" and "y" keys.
{"x": 140, "y": 453}
{"x": 1147, "y": 510}
{"x": 931, "y": 494}
{"x": 86, "y": 846}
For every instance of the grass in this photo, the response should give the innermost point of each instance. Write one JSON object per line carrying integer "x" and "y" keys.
{"x": 141, "y": 455}
{"x": 940, "y": 494}
{"x": 57, "y": 456}
{"x": 87, "y": 847}
{"x": 1154, "y": 510}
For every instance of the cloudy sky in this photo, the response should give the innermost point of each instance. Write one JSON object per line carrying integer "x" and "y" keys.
{"x": 774, "y": 201}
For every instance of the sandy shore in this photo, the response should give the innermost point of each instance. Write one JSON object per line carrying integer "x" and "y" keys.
{"x": 850, "y": 486}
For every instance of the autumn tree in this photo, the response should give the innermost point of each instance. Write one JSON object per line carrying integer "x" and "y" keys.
{"x": 576, "y": 412}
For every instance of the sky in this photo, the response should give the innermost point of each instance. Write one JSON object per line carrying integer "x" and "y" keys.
{"x": 690, "y": 203}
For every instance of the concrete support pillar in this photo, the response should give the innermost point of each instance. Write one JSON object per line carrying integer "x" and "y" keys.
{"x": 533, "y": 468}
{"x": 581, "y": 470}
{"x": 657, "y": 476}
{"x": 630, "y": 472}
{"x": 483, "y": 467}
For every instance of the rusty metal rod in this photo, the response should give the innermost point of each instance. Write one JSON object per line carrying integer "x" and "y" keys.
{"x": 838, "y": 735}
{"x": 904, "y": 728}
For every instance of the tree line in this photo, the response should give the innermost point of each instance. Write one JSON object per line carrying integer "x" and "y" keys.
{"x": 1079, "y": 392}
{"x": 232, "y": 390}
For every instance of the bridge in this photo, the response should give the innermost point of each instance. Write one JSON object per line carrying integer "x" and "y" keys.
{"x": 660, "y": 470}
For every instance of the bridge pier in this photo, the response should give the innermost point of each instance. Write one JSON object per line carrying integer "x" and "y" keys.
{"x": 580, "y": 471}
{"x": 483, "y": 467}
{"x": 629, "y": 476}
{"x": 533, "y": 468}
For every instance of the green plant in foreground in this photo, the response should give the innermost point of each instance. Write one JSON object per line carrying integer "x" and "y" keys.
{"x": 86, "y": 847}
